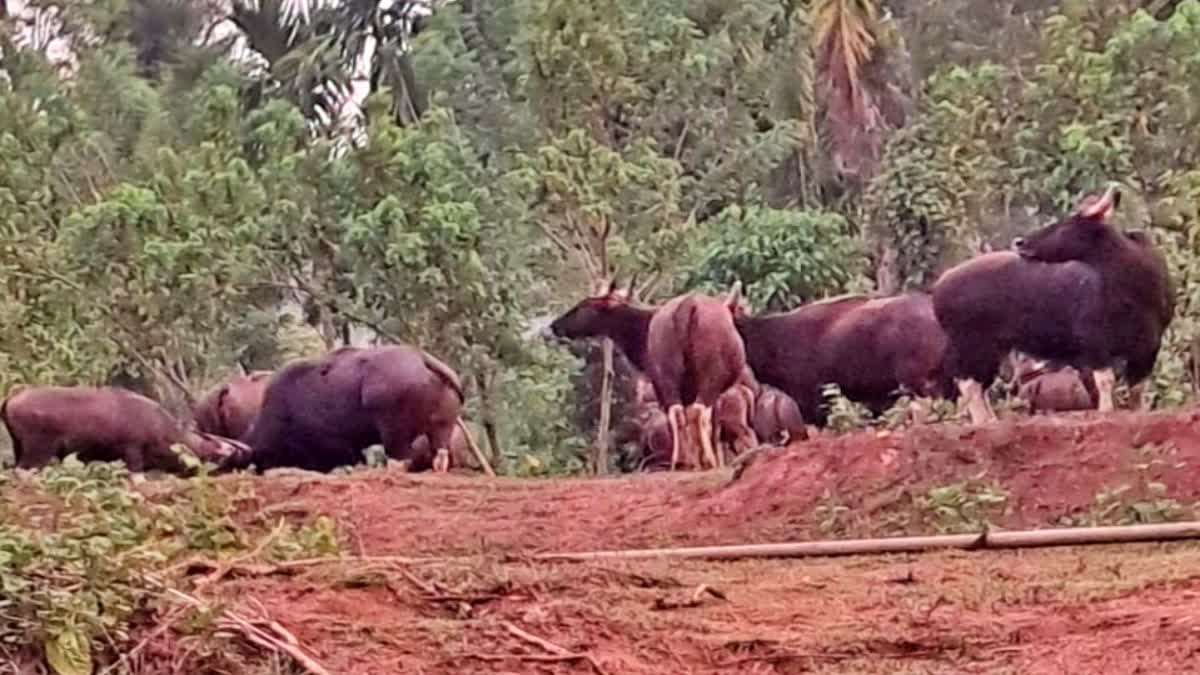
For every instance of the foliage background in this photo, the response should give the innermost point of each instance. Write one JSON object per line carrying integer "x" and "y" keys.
{"x": 177, "y": 200}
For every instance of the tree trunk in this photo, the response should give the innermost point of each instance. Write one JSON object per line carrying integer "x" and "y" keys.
{"x": 887, "y": 280}
{"x": 487, "y": 410}
{"x": 603, "y": 428}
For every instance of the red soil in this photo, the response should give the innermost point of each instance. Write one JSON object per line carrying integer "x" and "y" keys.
{"x": 1099, "y": 609}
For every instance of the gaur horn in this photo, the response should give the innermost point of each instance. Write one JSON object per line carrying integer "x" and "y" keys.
{"x": 735, "y": 294}
{"x": 1100, "y": 208}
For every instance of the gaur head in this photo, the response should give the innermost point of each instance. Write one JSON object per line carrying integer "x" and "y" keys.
{"x": 1082, "y": 235}
{"x": 586, "y": 316}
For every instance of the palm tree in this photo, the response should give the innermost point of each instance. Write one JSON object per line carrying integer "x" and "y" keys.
{"x": 858, "y": 82}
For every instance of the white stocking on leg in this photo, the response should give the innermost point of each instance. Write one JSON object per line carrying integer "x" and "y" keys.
{"x": 975, "y": 402}
{"x": 1104, "y": 386}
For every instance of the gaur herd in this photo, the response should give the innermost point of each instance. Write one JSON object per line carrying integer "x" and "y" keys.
{"x": 1064, "y": 309}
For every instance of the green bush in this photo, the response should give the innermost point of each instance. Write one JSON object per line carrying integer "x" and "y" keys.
{"x": 82, "y": 551}
{"x": 782, "y": 257}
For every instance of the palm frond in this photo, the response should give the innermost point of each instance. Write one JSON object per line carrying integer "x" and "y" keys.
{"x": 845, "y": 40}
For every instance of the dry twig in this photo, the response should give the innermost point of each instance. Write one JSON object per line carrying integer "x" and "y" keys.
{"x": 696, "y": 600}
{"x": 558, "y": 653}
{"x": 265, "y": 633}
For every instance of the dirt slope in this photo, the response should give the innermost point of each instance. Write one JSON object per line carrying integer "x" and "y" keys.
{"x": 1099, "y": 609}
{"x": 1051, "y": 468}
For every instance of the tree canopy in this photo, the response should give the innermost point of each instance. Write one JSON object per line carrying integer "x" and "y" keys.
{"x": 189, "y": 187}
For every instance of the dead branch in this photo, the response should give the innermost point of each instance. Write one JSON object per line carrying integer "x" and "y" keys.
{"x": 534, "y": 640}
{"x": 419, "y": 583}
{"x": 475, "y": 450}
{"x": 265, "y": 633}
{"x": 559, "y": 653}
{"x": 538, "y": 658}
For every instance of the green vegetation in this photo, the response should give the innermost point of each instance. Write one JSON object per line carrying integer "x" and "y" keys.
{"x": 83, "y": 551}
{"x": 176, "y": 202}
{"x": 175, "y": 205}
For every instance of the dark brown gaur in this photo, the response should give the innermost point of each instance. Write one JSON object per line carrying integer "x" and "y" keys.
{"x": 228, "y": 408}
{"x": 103, "y": 424}
{"x": 874, "y": 349}
{"x": 656, "y": 440}
{"x": 777, "y": 418}
{"x": 687, "y": 347}
{"x": 733, "y": 419}
{"x": 1078, "y": 292}
{"x": 319, "y": 414}
{"x": 1049, "y": 387}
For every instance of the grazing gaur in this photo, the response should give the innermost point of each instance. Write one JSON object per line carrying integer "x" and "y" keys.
{"x": 1048, "y": 386}
{"x": 321, "y": 413}
{"x": 656, "y": 440}
{"x": 459, "y": 450}
{"x": 229, "y": 408}
{"x": 777, "y": 418}
{"x": 872, "y": 348}
{"x": 103, "y": 424}
{"x": 1078, "y": 292}
{"x": 733, "y": 416}
{"x": 688, "y": 348}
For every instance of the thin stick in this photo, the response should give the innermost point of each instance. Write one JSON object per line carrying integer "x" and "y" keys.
{"x": 558, "y": 652}
{"x": 538, "y": 658}
{"x": 475, "y": 449}
{"x": 535, "y": 640}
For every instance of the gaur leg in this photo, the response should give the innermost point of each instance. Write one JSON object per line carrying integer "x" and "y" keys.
{"x": 135, "y": 458}
{"x": 677, "y": 420}
{"x": 397, "y": 438}
{"x": 440, "y": 440}
{"x": 973, "y": 374}
{"x": 1105, "y": 379}
{"x": 704, "y": 426}
{"x": 975, "y": 401}
{"x": 1137, "y": 369}
{"x": 918, "y": 412}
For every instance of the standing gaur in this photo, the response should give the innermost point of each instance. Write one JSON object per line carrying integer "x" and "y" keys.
{"x": 872, "y": 348}
{"x": 1078, "y": 292}
{"x": 687, "y": 347}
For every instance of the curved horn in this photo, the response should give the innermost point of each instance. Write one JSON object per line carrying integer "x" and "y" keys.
{"x": 1103, "y": 206}
{"x": 735, "y": 294}
{"x": 633, "y": 284}
{"x": 612, "y": 286}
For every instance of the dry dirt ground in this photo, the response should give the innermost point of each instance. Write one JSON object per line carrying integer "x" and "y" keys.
{"x": 1099, "y": 609}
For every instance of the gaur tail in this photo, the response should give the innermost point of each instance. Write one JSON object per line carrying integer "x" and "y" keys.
{"x": 17, "y": 450}
{"x": 445, "y": 372}
{"x": 685, "y": 327}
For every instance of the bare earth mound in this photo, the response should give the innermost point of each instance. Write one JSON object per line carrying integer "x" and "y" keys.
{"x": 1097, "y": 609}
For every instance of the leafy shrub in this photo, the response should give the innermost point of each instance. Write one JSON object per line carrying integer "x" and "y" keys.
{"x": 782, "y": 257}
{"x": 82, "y": 551}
